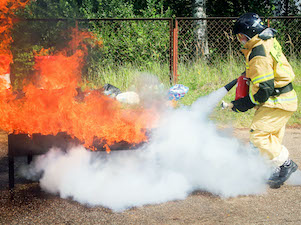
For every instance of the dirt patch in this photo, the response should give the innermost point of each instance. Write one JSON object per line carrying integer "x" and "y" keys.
{"x": 28, "y": 204}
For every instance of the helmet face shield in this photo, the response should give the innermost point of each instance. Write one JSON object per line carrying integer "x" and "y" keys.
{"x": 249, "y": 24}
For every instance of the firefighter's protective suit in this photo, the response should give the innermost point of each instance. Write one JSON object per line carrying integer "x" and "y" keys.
{"x": 270, "y": 92}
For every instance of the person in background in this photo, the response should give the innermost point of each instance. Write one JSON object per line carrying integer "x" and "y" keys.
{"x": 270, "y": 92}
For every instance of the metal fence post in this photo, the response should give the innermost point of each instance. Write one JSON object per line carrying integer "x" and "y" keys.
{"x": 11, "y": 166}
{"x": 171, "y": 38}
{"x": 175, "y": 52}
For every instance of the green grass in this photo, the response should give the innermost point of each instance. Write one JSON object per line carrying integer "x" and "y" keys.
{"x": 201, "y": 78}
{"x": 124, "y": 76}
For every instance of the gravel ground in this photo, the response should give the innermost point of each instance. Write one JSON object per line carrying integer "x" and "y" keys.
{"x": 28, "y": 204}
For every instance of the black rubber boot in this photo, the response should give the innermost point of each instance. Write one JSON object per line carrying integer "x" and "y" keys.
{"x": 282, "y": 173}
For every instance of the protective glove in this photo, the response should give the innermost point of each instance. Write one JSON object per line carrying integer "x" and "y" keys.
{"x": 242, "y": 104}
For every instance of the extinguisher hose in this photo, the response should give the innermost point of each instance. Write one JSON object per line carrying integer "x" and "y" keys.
{"x": 230, "y": 85}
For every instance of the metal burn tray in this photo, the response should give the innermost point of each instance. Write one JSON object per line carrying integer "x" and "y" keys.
{"x": 38, "y": 144}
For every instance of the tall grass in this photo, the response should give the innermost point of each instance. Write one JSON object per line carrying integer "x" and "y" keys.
{"x": 124, "y": 76}
{"x": 202, "y": 78}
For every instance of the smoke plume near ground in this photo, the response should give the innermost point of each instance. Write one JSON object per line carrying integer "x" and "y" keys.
{"x": 186, "y": 152}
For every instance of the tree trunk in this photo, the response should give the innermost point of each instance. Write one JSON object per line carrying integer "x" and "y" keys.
{"x": 201, "y": 29}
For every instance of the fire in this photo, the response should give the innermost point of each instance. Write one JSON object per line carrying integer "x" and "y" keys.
{"x": 49, "y": 103}
{"x": 42, "y": 52}
{"x": 7, "y": 9}
{"x": 50, "y": 106}
{"x": 84, "y": 36}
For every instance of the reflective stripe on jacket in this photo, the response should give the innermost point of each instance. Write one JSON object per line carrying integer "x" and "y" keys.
{"x": 268, "y": 68}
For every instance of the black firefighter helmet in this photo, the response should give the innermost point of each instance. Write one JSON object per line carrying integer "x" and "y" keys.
{"x": 249, "y": 24}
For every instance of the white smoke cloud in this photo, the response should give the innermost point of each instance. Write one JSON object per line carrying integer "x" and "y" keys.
{"x": 186, "y": 152}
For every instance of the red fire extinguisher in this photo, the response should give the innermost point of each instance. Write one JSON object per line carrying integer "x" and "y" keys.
{"x": 242, "y": 88}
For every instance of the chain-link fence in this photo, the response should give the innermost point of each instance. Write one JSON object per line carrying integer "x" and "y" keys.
{"x": 136, "y": 41}
{"x": 32, "y": 38}
{"x": 139, "y": 42}
{"x": 200, "y": 38}
{"x": 213, "y": 37}
{"x": 289, "y": 34}
{"x": 109, "y": 43}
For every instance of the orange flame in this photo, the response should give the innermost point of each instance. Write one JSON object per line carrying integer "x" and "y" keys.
{"x": 79, "y": 37}
{"x": 49, "y": 105}
{"x": 42, "y": 52}
{"x": 7, "y": 10}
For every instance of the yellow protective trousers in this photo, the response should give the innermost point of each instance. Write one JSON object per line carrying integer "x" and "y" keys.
{"x": 267, "y": 131}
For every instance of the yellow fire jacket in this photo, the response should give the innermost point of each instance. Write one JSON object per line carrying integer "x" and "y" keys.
{"x": 270, "y": 74}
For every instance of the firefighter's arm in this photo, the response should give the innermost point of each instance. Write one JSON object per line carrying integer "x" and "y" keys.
{"x": 261, "y": 75}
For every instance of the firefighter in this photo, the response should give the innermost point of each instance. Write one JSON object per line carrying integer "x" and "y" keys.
{"x": 270, "y": 92}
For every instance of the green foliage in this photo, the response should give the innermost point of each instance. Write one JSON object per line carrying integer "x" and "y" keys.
{"x": 179, "y": 8}
{"x": 261, "y": 7}
{"x": 288, "y": 35}
{"x": 52, "y": 9}
{"x": 123, "y": 41}
{"x": 34, "y": 35}
{"x": 238, "y": 7}
{"x": 106, "y": 9}
{"x": 127, "y": 74}
{"x": 155, "y": 8}
{"x": 134, "y": 41}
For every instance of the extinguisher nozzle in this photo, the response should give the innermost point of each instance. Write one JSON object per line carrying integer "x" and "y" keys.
{"x": 230, "y": 85}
